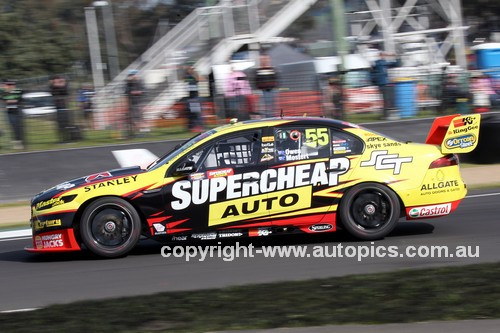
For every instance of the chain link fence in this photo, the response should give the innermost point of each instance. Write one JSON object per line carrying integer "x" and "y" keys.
{"x": 298, "y": 91}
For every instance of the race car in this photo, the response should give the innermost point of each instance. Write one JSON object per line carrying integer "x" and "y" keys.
{"x": 259, "y": 178}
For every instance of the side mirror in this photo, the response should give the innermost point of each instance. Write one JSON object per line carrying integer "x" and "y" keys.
{"x": 185, "y": 168}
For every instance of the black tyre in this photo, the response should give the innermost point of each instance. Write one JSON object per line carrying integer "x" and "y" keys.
{"x": 110, "y": 227}
{"x": 369, "y": 211}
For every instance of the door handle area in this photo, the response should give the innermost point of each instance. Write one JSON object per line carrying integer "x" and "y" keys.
{"x": 336, "y": 170}
{"x": 250, "y": 180}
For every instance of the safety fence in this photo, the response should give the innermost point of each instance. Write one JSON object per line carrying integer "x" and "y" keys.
{"x": 213, "y": 100}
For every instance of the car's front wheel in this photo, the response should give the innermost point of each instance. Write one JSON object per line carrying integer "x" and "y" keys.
{"x": 110, "y": 227}
{"x": 369, "y": 211}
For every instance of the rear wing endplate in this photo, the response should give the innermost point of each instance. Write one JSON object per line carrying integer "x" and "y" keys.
{"x": 455, "y": 133}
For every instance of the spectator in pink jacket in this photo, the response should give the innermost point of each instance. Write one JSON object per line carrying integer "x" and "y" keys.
{"x": 481, "y": 92}
{"x": 236, "y": 91}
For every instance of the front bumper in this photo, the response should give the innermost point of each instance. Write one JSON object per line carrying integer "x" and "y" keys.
{"x": 63, "y": 240}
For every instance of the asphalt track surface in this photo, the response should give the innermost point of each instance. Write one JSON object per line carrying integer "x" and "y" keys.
{"x": 33, "y": 281}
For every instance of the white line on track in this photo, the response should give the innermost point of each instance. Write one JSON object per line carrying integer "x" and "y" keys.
{"x": 14, "y": 239}
{"x": 15, "y": 234}
{"x": 19, "y": 310}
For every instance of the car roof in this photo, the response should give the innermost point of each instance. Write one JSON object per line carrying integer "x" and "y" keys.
{"x": 277, "y": 121}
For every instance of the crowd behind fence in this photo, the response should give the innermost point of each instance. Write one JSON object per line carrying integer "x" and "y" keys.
{"x": 48, "y": 118}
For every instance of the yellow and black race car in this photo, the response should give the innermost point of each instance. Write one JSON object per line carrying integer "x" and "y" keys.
{"x": 259, "y": 178}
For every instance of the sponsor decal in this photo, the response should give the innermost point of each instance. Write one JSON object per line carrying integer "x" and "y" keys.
{"x": 428, "y": 211}
{"x": 266, "y": 157}
{"x": 268, "y": 139}
{"x": 338, "y": 142}
{"x": 295, "y": 135}
{"x": 49, "y": 241}
{"x": 159, "y": 229}
{"x": 464, "y": 125}
{"x": 463, "y": 141}
{"x": 376, "y": 139}
{"x": 38, "y": 242}
{"x": 268, "y": 145}
{"x": 463, "y": 122}
{"x": 205, "y": 236}
{"x": 64, "y": 186}
{"x": 259, "y": 232}
{"x": 114, "y": 182}
{"x": 381, "y": 160}
{"x": 220, "y": 173}
{"x": 264, "y": 232}
{"x": 464, "y": 129}
{"x": 47, "y": 224}
{"x": 340, "y": 145}
{"x": 267, "y": 150}
{"x": 230, "y": 234}
{"x": 321, "y": 227}
{"x": 179, "y": 238}
{"x": 440, "y": 175}
{"x": 439, "y": 185}
{"x": 259, "y": 205}
{"x": 377, "y": 144}
{"x": 197, "y": 176}
{"x": 97, "y": 176}
{"x": 187, "y": 193}
{"x": 49, "y": 203}
{"x": 341, "y": 150}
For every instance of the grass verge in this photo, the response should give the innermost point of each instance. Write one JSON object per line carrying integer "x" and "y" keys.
{"x": 43, "y": 135}
{"x": 452, "y": 293}
{"x": 10, "y": 204}
{"x": 483, "y": 186}
{"x": 14, "y": 226}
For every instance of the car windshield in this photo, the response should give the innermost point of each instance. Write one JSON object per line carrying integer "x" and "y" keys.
{"x": 179, "y": 149}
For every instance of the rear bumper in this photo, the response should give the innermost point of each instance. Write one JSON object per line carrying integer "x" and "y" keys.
{"x": 430, "y": 211}
{"x": 54, "y": 241}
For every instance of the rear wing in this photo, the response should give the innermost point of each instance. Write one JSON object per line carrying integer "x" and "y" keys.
{"x": 455, "y": 133}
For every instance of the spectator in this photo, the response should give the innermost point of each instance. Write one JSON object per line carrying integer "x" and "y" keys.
{"x": 12, "y": 98}
{"x": 266, "y": 79}
{"x": 193, "y": 104}
{"x": 134, "y": 92}
{"x": 236, "y": 91}
{"x": 455, "y": 88}
{"x": 59, "y": 90}
{"x": 334, "y": 98}
{"x": 481, "y": 92}
{"x": 381, "y": 80}
{"x": 85, "y": 95}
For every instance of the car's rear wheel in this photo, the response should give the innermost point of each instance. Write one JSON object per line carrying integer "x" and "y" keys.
{"x": 369, "y": 211}
{"x": 110, "y": 227}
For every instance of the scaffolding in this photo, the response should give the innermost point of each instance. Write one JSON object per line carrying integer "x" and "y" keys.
{"x": 436, "y": 23}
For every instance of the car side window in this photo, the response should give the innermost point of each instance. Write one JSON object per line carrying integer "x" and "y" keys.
{"x": 302, "y": 143}
{"x": 343, "y": 143}
{"x": 237, "y": 151}
{"x": 192, "y": 160}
